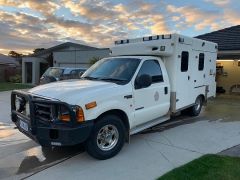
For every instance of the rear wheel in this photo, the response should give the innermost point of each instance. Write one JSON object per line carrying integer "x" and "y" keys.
{"x": 107, "y": 138}
{"x": 196, "y": 109}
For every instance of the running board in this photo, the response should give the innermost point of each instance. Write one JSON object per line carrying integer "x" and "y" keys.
{"x": 149, "y": 124}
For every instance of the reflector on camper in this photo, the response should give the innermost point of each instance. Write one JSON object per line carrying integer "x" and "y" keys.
{"x": 167, "y": 36}
{"x": 121, "y": 41}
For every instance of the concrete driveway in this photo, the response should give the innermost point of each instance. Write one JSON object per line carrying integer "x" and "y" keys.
{"x": 149, "y": 155}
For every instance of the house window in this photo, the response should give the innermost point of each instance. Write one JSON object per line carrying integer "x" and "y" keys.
{"x": 201, "y": 62}
{"x": 184, "y": 61}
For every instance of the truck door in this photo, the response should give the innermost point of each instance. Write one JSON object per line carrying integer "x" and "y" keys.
{"x": 154, "y": 101}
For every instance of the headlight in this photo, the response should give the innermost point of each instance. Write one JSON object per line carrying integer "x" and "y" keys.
{"x": 64, "y": 114}
{"x": 27, "y": 109}
{"x": 17, "y": 103}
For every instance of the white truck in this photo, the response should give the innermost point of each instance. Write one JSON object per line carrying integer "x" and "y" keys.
{"x": 142, "y": 83}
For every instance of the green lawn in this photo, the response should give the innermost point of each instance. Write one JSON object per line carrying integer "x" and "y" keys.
{"x": 208, "y": 167}
{"x": 11, "y": 86}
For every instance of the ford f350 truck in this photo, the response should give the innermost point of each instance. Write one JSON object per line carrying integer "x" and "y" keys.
{"x": 142, "y": 83}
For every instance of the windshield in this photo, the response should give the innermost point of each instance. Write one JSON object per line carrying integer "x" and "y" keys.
{"x": 54, "y": 72}
{"x": 113, "y": 69}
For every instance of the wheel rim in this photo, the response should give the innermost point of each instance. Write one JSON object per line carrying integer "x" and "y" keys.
{"x": 107, "y": 137}
{"x": 198, "y": 104}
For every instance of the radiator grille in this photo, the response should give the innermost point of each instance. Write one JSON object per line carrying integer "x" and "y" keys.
{"x": 44, "y": 111}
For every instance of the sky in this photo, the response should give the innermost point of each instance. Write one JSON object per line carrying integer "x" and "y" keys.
{"x": 29, "y": 24}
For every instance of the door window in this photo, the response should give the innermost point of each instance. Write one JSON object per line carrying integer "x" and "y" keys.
{"x": 152, "y": 68}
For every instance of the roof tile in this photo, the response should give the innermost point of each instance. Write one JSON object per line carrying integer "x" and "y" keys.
{"x": 227, "y": 39}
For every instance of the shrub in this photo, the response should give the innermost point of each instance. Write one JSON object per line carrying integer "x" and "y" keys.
{"x": 93, "y": 60}
{"x": 15, "y": 79}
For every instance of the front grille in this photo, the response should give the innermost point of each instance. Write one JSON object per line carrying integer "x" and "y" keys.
{"x": 43, "y": 111}
{"x": 34, "y": 109}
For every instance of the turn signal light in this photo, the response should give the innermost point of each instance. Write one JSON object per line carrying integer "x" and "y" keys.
{"x": 80, "y": 115}
{"x": 91, "y": 105}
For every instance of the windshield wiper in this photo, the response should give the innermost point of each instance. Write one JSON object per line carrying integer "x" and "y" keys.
{"x": 105, "y": 79}
{"x": 90, "y": 78}
{"x": 113, "y": 79}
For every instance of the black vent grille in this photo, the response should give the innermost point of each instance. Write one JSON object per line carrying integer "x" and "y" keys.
{"x": 43, "y": 111}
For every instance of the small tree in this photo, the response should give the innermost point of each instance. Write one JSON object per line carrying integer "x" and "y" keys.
{"x": 93, "y": 60}
{"x": 14, "y": 54}
{"x": 37, "y": 50}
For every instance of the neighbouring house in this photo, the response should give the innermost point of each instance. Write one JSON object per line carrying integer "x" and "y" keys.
{"x": 8, "y": 66}
{"x": 64, "y": 55}
{"x": 228, "y": 60}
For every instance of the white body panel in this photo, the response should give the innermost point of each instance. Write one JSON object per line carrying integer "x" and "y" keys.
{"x": 152, "y": 102}
{"x": 149, "y": 105}
{"x": 108, "y": 96}
{"x": 185, "y": 85}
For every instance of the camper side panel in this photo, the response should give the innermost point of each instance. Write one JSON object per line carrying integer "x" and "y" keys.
{"x": 191, "y": 71}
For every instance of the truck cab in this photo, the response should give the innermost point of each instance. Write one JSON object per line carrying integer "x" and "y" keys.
{"x": 118, "y": 96}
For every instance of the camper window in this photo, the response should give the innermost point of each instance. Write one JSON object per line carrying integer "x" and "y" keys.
{"x": 201, "y": 62}
{"x": 184, "y": 61}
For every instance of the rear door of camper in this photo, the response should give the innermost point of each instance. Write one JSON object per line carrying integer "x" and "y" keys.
{"x": 184, "y": 74}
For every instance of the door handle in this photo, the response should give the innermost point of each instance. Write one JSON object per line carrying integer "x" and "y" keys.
{"x": 128, "y": 96}
{"x": 188, "y": 77}
{"x": 165, "y": 90}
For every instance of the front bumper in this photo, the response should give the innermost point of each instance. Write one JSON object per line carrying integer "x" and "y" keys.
{"x": 52, "y": 133}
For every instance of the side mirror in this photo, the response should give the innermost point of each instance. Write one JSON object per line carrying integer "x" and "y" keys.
{"x": 143, "y": 81}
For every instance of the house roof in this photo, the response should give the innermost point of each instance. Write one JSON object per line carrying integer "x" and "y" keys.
{"x": 6, "y": 60}
{"x": 227, "y": 39}
{"x": 62, "y": 46}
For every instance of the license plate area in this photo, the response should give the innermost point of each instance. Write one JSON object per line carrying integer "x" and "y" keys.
{"x": 23, "y": 125}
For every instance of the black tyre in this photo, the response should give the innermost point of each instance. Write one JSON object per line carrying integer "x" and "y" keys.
{"x": 196, "y": 109}
{"x": 107, "y": 138}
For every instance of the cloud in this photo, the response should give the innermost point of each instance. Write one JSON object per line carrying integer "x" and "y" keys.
{"x": 133, "y": 16}
{"x": 92, "y": 10}
{"x": 190, "y": 16}
{"x": 22, "y": 32}
{"x": 97, "y": 23}
{"x": 43, "y": 6}
{"x": 31, "y": 24}
{"x": 232, "y": 16}
{"x": 219, "y": 2}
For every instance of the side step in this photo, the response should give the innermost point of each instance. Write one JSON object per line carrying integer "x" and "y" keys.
{"x": 149, "y": 124}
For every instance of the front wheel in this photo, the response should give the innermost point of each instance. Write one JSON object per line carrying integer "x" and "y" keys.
{"x": 196, "y": 109}
{"x": 107, "y": 138}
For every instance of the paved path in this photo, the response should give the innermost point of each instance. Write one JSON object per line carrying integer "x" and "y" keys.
{"x": 151, "y": 155}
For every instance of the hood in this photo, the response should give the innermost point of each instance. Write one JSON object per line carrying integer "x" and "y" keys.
{"x": 72, "y": 91}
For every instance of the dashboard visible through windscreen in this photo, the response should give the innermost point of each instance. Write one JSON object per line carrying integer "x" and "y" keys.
{"x": 113, "y": 69}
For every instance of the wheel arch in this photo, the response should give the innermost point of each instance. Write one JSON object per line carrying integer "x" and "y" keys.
{"x": 204, "y": 99}
{"x": 122, "y": 115}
